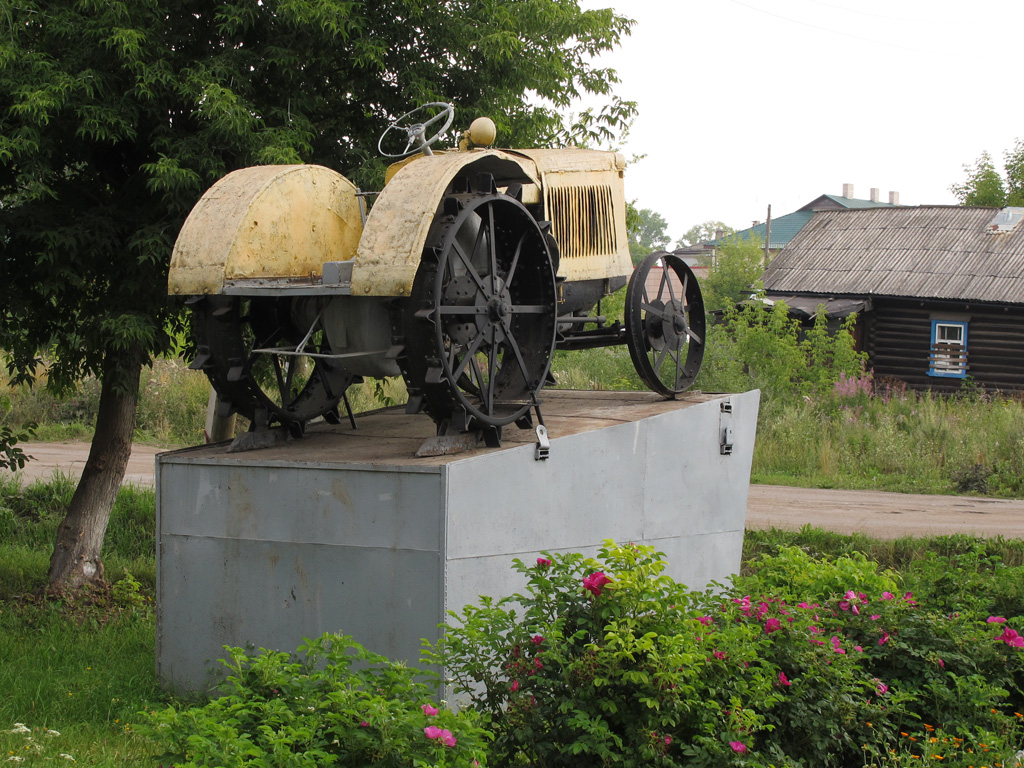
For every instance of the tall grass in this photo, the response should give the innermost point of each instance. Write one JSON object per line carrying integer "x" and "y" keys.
{"x": 29, "y": 517}
{"x": 920, "y": 443}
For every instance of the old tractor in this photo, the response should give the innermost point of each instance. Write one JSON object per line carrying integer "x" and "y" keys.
{"x": 471, "y": 268}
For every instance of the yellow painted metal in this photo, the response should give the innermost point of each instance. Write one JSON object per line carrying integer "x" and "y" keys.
{"x": 397, "y": 227}
{"x": 585, "y": 201}
{"x": 270, "y": 221}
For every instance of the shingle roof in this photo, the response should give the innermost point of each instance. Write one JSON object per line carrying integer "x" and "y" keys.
{"x": 927, "y": 251}
{"x": 784, "y": 228}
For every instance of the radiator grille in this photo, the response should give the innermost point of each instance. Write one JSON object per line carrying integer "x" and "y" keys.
{"x": 582, "y": 220}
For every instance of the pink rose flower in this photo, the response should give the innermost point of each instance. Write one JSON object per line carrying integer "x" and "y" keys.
{"x": 882, "y": 688}
{"x": 364, "y": 724}
{"x": 432, "y": 732}
{"x": 447, "y": 738}
{"x": 537, "y": 639}
{"x": 783, "y": 679}
{"x": 428, "y": 710}
{"x": 543, "y": 562}
{"x": 888, "y": 596}
{"x": 1012, "y": 637}
{"x": 668, "y": 739}
{"x": 515, "y": 686}
{"x": 595, "y": 582}
{"x": 705, "y": 620}
{"x": 718, "y": 655}
{"x": 884, "y": 638}
{"x": 772, "y": 625}
{"x": 995, "y": 620}
{"x": 738, "y": 746}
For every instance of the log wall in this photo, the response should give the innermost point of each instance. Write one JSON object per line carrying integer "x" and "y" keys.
{"x": 897, "y": 338}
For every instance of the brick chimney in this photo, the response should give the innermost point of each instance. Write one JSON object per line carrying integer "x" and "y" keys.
{"x": 847, "y": 190}
{"x": 719, "y": 234}
{"x": 874, "y": 194}
{"x": 894, "y": 198}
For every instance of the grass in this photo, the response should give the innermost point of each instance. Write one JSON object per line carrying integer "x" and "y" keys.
{"x": 86, "y": 669}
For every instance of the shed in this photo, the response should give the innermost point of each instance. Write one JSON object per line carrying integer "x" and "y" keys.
{"x": 940, "y": 289}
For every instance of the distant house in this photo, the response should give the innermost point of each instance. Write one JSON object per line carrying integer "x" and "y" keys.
{"x": 784, "y": 228}
{"x": 939, "y": 290}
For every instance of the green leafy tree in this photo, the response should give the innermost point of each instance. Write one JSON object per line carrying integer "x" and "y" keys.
{"x": 646, "y": 233}
{"x": 703, "y": 233}
{"x": 737, "y": 267}
{"x": 115, "y": 115}
{"x": 984, "y": 186}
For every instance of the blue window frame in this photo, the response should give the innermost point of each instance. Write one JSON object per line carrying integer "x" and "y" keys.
{"x": 948, "y": 357}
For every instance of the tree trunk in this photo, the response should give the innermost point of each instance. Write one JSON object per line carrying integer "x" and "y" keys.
{"x": 76, "y": 558}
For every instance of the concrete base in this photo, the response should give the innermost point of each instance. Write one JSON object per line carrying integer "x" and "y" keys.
{"x": 346, "y": 531}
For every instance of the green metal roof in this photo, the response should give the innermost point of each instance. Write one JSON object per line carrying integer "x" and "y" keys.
{"x": 846, "y": 202}
{"x": 784, "y": 229}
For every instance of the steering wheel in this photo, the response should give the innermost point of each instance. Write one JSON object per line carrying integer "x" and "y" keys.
{"x": 416, "y": 132}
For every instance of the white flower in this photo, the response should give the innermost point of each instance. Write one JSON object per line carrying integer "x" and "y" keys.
{"x": 50, "y": 732}
{"x": 67, "y": 757}
{"x": 16, "y": 759}
{"x": 20, "y": 728}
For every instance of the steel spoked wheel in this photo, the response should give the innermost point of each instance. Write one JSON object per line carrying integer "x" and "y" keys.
{"x": 665, "y": 323}
{"x": 268, "y": 359}
{"x": 480, "y": 329}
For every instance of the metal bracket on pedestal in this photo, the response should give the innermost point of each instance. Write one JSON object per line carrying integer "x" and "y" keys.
{"x": 543, "y": 444}
{"x": 725, "y": 429}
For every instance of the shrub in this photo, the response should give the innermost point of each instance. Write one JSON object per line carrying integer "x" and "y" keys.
{"x": 609, "y": 662}
{"x": 333, "y": 704}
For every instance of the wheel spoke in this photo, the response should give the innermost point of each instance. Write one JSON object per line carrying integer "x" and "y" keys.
{"x": 529, "y": 309}
{"x": 514, "y": 346}
{"x": 468, "y": 263}
{"x": 471, "y": 351}
{"x": 515, "y": 260}
{"x": 492, "y": 249}
{"x": 666, "y": 278}
{"x": 660, "y": 358}
{"x": 279, "y": 376}
{"x": 694, "y": 336}
{"x": 492, "y": 355}
{"x": 660, "y": 312}
{"x": 678, "y": 363}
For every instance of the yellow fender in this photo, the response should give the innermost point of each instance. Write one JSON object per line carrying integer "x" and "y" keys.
{"x": 396, "y": 230}
{"x": 269, "y": 221}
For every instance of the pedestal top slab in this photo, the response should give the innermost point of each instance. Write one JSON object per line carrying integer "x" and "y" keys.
{"x": 390, "y": 437}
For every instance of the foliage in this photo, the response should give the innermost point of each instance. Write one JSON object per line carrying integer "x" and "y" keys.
{"x": 12, "y": 456}
{"x": 646, "y": 234}
{"x": 735, "y": 272}
{"x": 869, "y": 435}
{"x": 115, "y": 116}
{"x": 609, "y": 662}
{"x": 759, "y": 346}
{"x": 703, "y": 233}
{"x": 984, "y": 186}
{"x": 333, "y": 704}
{"x": 107, "y": 143}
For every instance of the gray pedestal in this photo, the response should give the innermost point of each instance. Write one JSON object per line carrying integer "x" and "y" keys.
{"x": 346, "y": 531}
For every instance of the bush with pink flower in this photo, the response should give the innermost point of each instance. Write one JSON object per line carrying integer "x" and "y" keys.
{"x": 809, "y": 661}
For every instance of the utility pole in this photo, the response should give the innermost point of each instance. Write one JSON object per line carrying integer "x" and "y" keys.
{"x": 767, "y": 235}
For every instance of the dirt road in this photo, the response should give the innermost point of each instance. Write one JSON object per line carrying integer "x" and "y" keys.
{"x": 875, "y": 513}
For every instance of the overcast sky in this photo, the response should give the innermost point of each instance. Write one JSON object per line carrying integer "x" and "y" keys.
{"x": 746, "y": 103}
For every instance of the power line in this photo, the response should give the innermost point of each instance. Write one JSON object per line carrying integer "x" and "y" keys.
{"x": 834, "y": 31}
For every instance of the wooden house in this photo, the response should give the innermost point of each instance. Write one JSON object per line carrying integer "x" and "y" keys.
{"x": 938, "y": 290}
